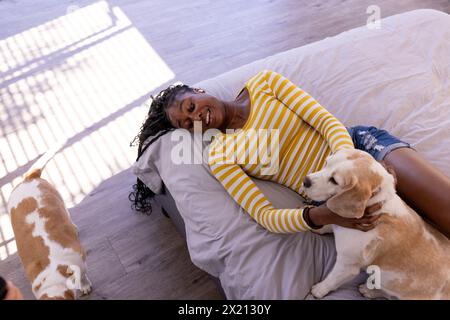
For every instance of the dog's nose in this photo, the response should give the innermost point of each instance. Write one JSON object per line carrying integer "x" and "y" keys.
{"x": 307, "y": 182}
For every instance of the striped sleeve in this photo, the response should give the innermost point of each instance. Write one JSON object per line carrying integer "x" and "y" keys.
{"x": 309, "y": 110}
{"x": 247, "y": 194}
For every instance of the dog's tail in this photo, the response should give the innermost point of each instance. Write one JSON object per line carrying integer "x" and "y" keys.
{"x": 36, "y": 169}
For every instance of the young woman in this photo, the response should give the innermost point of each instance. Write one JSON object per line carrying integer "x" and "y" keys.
{"x": 307, "y": 135}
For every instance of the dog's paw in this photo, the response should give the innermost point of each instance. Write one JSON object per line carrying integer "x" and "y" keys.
{"x": 319, "y": 290}
{"x": 364, "y": 290}
{"x": 369, "y": 293}
{"x": 86, "y": 286}
{"x": 86, "y": 289}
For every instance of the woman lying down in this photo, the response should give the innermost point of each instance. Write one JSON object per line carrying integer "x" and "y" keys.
{"x": 307, "y": 135}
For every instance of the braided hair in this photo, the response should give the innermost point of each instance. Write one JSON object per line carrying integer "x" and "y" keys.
{"x": 155, "y": 125}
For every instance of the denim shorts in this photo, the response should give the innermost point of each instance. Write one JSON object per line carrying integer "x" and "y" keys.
{"x": 377, "y": 142}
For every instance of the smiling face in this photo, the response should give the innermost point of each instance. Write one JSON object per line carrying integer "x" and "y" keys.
{"x": 196, "y": 106}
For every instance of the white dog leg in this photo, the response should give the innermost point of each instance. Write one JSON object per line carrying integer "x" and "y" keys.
{"x": 86, "y": 285}
{"x": 340, "y": 274}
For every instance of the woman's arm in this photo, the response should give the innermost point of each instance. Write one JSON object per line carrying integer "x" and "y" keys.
{"x": 308, "y": 109}
{"x": 321, "y": 216}
{"x": 247, "y": 194}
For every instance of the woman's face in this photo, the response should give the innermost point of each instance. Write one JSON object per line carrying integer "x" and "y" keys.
{"x": 196, "y": 106}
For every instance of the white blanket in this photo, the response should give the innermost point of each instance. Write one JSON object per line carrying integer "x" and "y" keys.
{"x": 396, "y": 78}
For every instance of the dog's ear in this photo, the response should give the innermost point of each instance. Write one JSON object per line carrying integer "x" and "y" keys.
{"x": 351, "y": 202}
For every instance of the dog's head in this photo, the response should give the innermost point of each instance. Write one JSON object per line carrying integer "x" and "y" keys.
{"x": 348, "y": 180}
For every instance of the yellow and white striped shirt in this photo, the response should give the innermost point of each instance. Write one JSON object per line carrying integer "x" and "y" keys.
{"x": 286, "y": 126}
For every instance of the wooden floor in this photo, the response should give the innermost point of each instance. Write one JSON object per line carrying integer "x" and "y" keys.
{"x": 83, "y": 70}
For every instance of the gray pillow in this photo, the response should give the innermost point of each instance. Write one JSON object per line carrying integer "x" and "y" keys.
{"x": 223, "y": 240}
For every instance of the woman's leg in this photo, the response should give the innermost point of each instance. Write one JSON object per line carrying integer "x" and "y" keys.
{"x": 422, "y": 186}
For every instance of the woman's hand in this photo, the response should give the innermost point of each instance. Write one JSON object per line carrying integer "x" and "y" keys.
{"x": 321, "y": 216}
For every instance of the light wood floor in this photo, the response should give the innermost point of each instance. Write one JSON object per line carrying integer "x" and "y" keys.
{"x": 82, "y": 70}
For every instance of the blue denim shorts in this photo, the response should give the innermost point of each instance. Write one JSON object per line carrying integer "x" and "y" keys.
{"x": 377, "y": 142}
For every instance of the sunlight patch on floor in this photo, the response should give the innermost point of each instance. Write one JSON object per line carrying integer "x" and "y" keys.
{"x": 81, "y": 77}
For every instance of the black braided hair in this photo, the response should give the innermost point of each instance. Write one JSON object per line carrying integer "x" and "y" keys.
{"x": 155, "y": 125}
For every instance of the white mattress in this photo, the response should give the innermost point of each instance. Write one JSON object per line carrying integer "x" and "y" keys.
{"x": 396, "y": 78}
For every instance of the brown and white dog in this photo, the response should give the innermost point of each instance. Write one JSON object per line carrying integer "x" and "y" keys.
{"x": 413, "y": 257}
{"x": 47, "y": 240}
